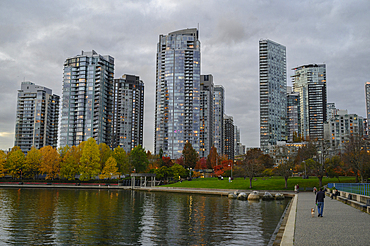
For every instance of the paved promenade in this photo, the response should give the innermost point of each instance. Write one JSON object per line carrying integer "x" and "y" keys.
{"x": 341, "y": 224}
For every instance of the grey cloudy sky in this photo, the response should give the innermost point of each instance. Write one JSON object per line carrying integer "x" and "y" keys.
{"x": 37, "y": 36}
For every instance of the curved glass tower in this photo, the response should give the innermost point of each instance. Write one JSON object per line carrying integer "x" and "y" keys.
{"x": 177, "y": 92}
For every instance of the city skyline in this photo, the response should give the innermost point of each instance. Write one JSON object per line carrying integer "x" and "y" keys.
{"x": 46, "y": 35}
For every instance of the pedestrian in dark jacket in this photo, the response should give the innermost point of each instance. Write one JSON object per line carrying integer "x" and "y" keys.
{"x": 320, "y": 202}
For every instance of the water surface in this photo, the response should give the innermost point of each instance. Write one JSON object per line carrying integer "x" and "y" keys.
{"x": 121, "y": 217}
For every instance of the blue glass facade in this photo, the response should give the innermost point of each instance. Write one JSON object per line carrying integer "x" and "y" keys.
{"x": 177, "y": 109}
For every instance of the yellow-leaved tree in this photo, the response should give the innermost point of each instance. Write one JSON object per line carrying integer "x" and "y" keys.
{"x": 50, "y": 162}
{"x": 90, "y": 160}
{"x": 15, "y": 162}
{"x": 32, "y": 163}
{"x": 70, "y": 163}
{"x": 2, "y": 163}
{"x": 110, "y": 169}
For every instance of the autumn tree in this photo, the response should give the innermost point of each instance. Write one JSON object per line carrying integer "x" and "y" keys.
{"x": 63, "y": 151}
{"x": 356, "y": 156}
{"x": 50, "y": 162}
{"x": 201, "y": 164}
{"x": 32, "y": 163}
{"x": 153, "y": 162}
{"x": 15, "y": 162}
{"x": 180, "y": 161}
{"x": 122, "y": 159}
{"x": 110, "y": 169}
{"x": 334, "y": 167}
{"x": 105, "y": 153}
{"x": 139, "y": 159}
{"x": 90, "y": 160}
{"x": 70, "y": 163}
{"x": 212, "y": 158}
{"x": 251, "y": 165}
{"x": 2, "y": 163}
{"x": 190, "y": 155}
{"x": 166, "y": 161}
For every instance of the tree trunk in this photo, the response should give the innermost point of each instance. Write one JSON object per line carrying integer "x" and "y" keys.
{"x": 286, "y": 182}
{"x": 250, "y": 183}
{"x": 356, "y": 180}
{"x": 320, "y": 181}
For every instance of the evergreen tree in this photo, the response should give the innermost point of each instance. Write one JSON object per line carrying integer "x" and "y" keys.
{"x": 139, "y": 159}
{"x": 190, "y": 155}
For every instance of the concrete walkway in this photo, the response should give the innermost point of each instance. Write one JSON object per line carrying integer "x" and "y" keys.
{"x": 341, "y": 224}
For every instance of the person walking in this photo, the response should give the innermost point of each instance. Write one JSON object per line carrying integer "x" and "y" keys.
{"x": 320, "y": 202}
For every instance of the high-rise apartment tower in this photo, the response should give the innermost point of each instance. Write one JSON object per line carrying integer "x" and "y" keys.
{"x": 218, "y": 114}
{"x": 177, "y": 108}
{"x": 310, "y": 82}
{"x": 206, "y": 114}
{"x": 37, "y": 117}
{"x": 272, "y": 79}
{"x": 87, "y": 99}
{"x": 128, "y": 112}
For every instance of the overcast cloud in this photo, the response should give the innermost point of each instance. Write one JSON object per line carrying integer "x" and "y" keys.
{"x": 37, "y": 36}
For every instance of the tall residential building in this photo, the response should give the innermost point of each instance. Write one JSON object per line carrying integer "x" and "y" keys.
{"x": 177, "y": 108}
{"x": 128, "y": 112}
{"x": 272, "y": 79}
{"x": 37, "y": 117}
{"x": 87, "y": 99}
{"x": 206, "y": 114}
{"x": 367, "y": 94}
{"x": 339, "y": 128}
{"x": 293, "y": 115}
{"x": 229, "y": 137}
{"x": 331, "y": 110}
{"x": 218, "y": 114}
{"x": 310, "y": 82}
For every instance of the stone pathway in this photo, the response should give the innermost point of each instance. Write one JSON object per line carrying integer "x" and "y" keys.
{"x": 341, "y": 224}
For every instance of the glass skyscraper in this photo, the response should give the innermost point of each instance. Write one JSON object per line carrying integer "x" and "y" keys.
{"x": 206, "y": 114}
{"x": 367, "y": 95}
{"x": 310, "y": 82}
{"x": 87, "y": 99}
{"x": 273, "y": 106}
{"x": 37, "y": 117}
{"x": 177, "y": 111}
{"x": 218, "y": 115}
{"x": 128, "y": 112}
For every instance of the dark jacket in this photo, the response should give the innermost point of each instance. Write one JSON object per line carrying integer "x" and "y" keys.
{"x": 320, "y": 196}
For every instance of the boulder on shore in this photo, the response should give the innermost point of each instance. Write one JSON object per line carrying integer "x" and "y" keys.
{"x": 232, "y": 196}
{"x": 279, "y": 196}
{"x": 267, "y": 196}
{"x": 242, "y": 196}
{"x": 254, "y": 196}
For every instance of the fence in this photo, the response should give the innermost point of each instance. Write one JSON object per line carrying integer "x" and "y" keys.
{"x": 357, "y": 188}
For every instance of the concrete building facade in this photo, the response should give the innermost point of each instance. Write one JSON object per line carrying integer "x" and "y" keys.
{"x": 229, "y": 137}
{"x": 293, "y": 115}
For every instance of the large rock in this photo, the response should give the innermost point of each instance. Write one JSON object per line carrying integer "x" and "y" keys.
{"x": 254, "y": 196}
{"x": 242, "y": 196}
{"x": 267, "y": 196}
{"x": 279, "y": 196}
{"x": 232, "y": 196}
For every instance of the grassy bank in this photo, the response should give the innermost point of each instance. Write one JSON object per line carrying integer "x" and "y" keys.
{"x": 259, "y": 183}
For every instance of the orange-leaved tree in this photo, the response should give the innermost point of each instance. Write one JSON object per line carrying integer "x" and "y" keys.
{"x": 50, "y": 162}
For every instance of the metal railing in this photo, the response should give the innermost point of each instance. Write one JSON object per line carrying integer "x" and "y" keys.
{"x": 357, "y": 188}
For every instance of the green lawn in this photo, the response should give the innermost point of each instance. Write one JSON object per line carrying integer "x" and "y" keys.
{"x": 262, "y": 183}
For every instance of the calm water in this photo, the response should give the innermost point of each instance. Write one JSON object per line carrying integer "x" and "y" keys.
{"x": 103, "y": 217}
